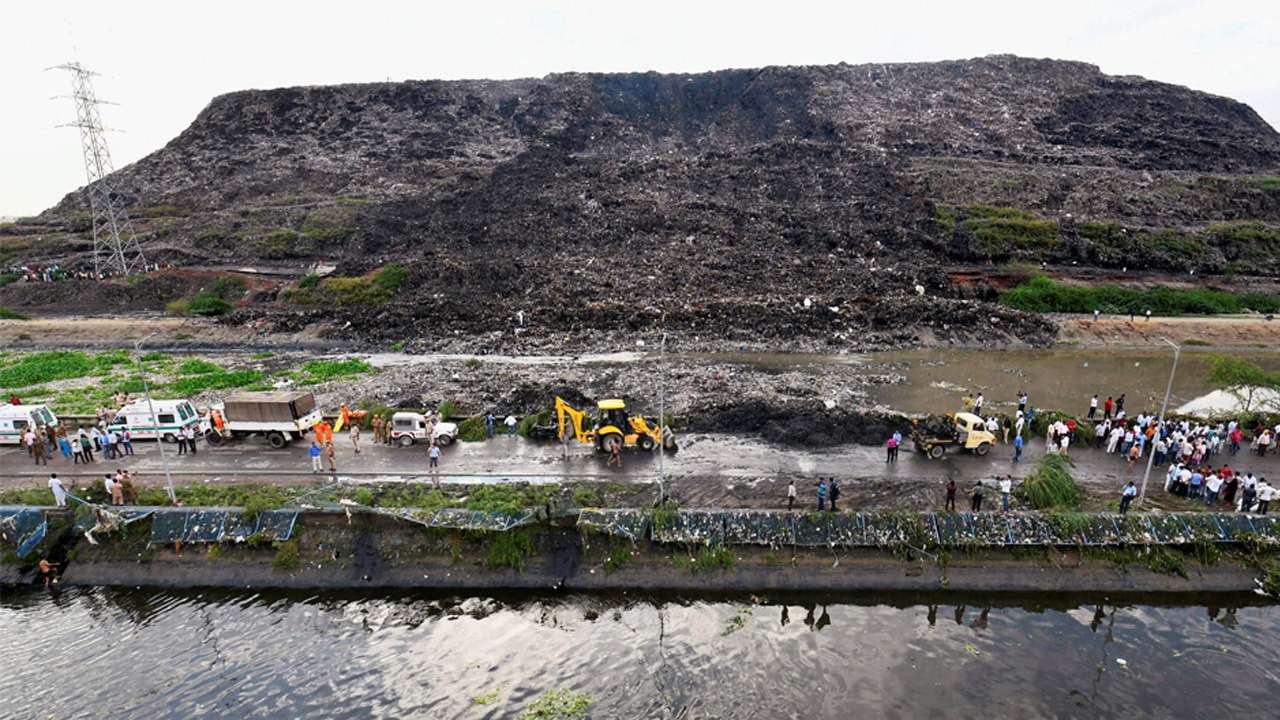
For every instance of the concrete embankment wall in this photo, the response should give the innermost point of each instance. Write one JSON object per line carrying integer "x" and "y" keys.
{"x": 617, "y": 550}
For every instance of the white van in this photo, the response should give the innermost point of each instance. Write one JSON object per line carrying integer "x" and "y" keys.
{"x": 15, "y": 419}
{"x": 174, "y": 416}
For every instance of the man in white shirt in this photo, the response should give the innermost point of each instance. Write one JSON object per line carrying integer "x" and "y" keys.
{"x": 1213, "y": 483}
{"x": 59, "y": 492}
{"x": 510, "y": 422}
{"x": 1265, "y": 492}
{"x": 1006, "y": 487}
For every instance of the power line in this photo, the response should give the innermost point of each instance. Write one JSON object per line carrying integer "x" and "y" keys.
{"x": 115, "y": 246}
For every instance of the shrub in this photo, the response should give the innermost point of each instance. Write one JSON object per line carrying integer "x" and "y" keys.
{"x": 198, "y": 367}
{"x": 308, "y": 281}
{"x": 509, "y": 550}
{"x": 1044, "y": 295}
{"x": 1049, "y": 485}
{"x": 286, "y": 555}
{"x": 7, "y": 314}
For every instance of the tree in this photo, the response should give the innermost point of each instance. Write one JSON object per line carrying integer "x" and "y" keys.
{"x": 1244, "y": 380}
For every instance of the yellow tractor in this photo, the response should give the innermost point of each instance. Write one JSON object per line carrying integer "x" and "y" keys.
{"x": 612, "y": 424}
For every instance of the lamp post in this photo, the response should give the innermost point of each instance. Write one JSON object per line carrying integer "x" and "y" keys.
{"x": 1151, "y": 455}
{"x": 662, "y": 418}
{"x": 155, "y": 423}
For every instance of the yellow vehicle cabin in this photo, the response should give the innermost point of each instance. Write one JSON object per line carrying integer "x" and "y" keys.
{"x": 972, "y": 431}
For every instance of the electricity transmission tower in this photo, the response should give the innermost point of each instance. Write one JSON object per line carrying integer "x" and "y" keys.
{"x": 115, "y": 247}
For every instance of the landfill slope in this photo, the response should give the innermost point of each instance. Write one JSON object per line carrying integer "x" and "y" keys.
{"x": 783, "y": 207}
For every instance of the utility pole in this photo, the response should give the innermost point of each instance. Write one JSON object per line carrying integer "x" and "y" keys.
{"x": 1151, "y": 455}
{"x": 662, "y": 419}
{"x": 115, "y": 247}
{"x": 155, "y": 422}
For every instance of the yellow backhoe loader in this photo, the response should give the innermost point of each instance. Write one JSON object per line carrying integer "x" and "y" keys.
{"x": 612, "y": 424}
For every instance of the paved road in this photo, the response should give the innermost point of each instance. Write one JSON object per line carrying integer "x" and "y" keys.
{"x": 709, "y": 468}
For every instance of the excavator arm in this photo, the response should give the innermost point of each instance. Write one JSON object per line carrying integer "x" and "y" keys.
{"x": 563, "y": 410}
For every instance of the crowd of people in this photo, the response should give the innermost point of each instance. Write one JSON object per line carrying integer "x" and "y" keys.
{"x": 54, "y": 273}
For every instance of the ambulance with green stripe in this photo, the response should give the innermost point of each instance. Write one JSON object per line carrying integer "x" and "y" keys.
{"x": 15, "y": 419}
{"x": 174, "y": 416}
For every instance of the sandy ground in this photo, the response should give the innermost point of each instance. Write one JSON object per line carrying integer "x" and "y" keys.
{"x": 1119, "y": 332}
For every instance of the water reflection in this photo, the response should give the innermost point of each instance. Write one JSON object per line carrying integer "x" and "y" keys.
{"x": 131, "y": 653}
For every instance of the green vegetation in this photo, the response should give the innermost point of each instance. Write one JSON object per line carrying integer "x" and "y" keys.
{"x": 1001, "y": 231}
{"x": 1049, "y": 485}
{"x": 215, "y": 300}
{"x": 7, "y": 314}
{"x": 214, "y": 552}
{"x": 509, "y": 499}
{"x": 509, "y": 550}
{"x": 283, "y": 244}
{"x": 220, "y": 380}
{"x": 263, "y": 355}
{"x": 488, "y": 698}
{"x": 42, "y": 367}
{"x": 210, "y": 235}
{"x": 738, "y": 621}
{"x": 709, "y": 558}
{"x": 584, "y": 496}
{"x": 1043, "y": 295}
{"x": 198, "y": 367}
{"x": 1269, "y": 184}
{"x": 158, "y": 211}
{"x": 328, "y": 226}
{"x": 558, "y": 704}
{"x": 946, "y": 217}
{"x": 1241, "y": 378}
{"x": 318, "y": 371}
{"x": 376, "y": 289}
{"x": 308, "y": 281}
{"x": 620, "y": 555}
{"x": 1195, "y": 343}
{"x": 1116, "y": 245}
{"x": 286, "y": 555}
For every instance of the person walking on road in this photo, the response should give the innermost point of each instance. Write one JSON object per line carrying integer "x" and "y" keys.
{"x": 1007, "y": 424}
{"x": 333, "y": 458}
{"x": 1017, "y": 448}
{"x": 510, "y": 422}
{"x": 1127, "y": 496}
{"x": 977, "y": 405}
{"x": 951, "y": 496}
{"x": 791, "y": 496}
{"x": 1093, "y": 407}
{"x": 833, "y": 491}
{"x": 891, "y": 450}
{"x": 822, "y": 494}
{"x": 1134, "y": 452}
{"x": 314, "y": 451}
{"x": 488, "y": 424}
{"x": 376, "y": 423}
{"x": 38, "y": 451}
{"x": 1106, "y": 408}
{"x": 355, "y": 437}
{"x": 1022, "y": 402}
{"x": 1006, "y": 487}
{"x": 433, "y": 459}
{"x": 615, "y": 452}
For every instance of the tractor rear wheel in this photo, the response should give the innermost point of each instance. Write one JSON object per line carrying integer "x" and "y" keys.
{"x": 607, "y": 440}
{"x": 936, "y": 451}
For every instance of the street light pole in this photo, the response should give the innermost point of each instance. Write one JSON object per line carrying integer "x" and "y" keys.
{"x": 1151, "y": 455}
{"x": 662, "y": 418}
{"x": 155, "y": 423}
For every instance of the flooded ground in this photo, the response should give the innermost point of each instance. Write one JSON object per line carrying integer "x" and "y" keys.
{"x": 143, "y": 654}
{"x": 1059, "y": 378}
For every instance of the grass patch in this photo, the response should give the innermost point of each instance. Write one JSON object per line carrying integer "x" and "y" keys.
{"x": 286, "y": 555}
{"x": 376, "y": 289}
{"x": 1195, "y": 343}
{"x": 283, "y": 244}
{"x": 29, "y": 369}
{"x": 508, "y": 499}
{"x": 7, "y": 314}
{"x": 1049, "y": 485}
{"x": 509, "y": 550}
{"x": 1003, "y": 230}
{"x": 488, "y": 698}
{"x": 585, "y": 497}
{"x": 1044, "y": 296}
{"x": 263, "y": 355}
{"x": 221, "y": 380}
{"x": 558, "y": 704}
{"x": 710, "y": 558}
{"x": 620, "y": 555}
{"x": 318, "y": 371}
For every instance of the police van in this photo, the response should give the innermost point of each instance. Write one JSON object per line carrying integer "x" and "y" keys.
{"x": 15, "y": 419}
{"x": 174, "y": 417}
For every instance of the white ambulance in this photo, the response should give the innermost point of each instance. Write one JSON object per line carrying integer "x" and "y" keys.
{"x": 15, "y": 419}
{"x": 174, "y": 417}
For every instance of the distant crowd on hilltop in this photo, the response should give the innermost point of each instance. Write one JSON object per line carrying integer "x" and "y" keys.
{"x": 53, "y": 273}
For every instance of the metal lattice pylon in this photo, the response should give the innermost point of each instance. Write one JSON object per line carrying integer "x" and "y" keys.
{"x": 115, "y": 247}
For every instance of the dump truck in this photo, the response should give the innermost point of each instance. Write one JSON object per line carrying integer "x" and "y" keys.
{"x": 961, "y": 431}
{"x": 279, "y": 416}
{"x": 612, "y": 423}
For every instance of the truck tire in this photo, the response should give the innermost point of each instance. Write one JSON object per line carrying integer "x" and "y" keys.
{"x": 170, "y": 438}
{"x": 645, "y": 443}
{"x": 277, "y": 440}
{"x": 935, "y": 451}
{"x": 444, "y": 440}
{"x": 406, "y": 440}
{"x": 213, "y": 438}
{"x": 982, "y": 449}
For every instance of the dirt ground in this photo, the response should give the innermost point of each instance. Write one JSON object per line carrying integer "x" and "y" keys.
{"x": 1118, "y": 331}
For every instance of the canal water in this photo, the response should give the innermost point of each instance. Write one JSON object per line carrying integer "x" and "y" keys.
{"x": 124, "y": 653}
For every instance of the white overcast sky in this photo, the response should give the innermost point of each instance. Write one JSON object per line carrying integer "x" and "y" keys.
{"x": 162, "y": 61}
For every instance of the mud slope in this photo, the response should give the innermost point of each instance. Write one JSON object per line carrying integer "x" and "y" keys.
{"x": 594, "y": 203}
